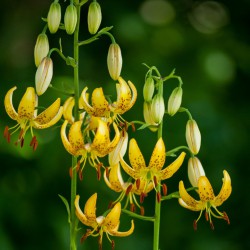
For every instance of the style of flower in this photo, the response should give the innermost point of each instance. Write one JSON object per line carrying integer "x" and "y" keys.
{"x": 154, "y": 172}
{"x": 208, "y": 201}
{"x": 102, "y": 108}
{"x": 108, "y": 224}
{"x": 26, "y": 115}
{"x": 80, "y": 143}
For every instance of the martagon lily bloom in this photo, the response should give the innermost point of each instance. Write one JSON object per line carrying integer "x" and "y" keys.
{"x": 154, "y": 172}
{"x": 26, "y": 115}
{"x": 77, "y": 145}
{"x": 208, "y": 201}
{"x": 108, "y": 224}
{"x": 102, "y": 108}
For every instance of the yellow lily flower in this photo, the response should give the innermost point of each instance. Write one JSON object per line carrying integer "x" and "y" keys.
{"x": 208, "y": 200}
{"x": 108, "y": 224}
{"x": 102, "y": 108}
{"x": 26, "y": 115}
{"x": 154, "y": 172}
{"x": 100, "y": 145}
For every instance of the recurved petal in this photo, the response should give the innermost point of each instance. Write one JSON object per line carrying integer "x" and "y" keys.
{"x": 225, "y": 191}
{"x": 130, "y": 171}
{"x": 115, "y": 140}
{"x": 134, "y": 94}
{"x": 90, "y": 208}
{"x": 205, "y": 189}
{"x": 112, "y": 219}
{"x": 76, "y": 137}
{"x": 173, "y": 167}
{"x": 27, "y": 104}
{"x": 49, "y": 116}
{"x": 135, "y": 156}
{"x": 10, "y": 110}
{"x": 65, "y": 140}
{"x": 123, "y": 234}
{"x": 99, "y": 103}
{"x": 84, "y": 102}
{"x": 68, "y": 109}
{"x": 115, "y": 180}
{"x": 158, "y": 157}
{"x": 188, "y": 201}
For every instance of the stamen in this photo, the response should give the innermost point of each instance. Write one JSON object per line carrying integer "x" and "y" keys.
{"x": 22, "y": 142}
{"x": 142, "y": 196}
{"x": 164, "y": 189}
{"x": 98, "y": 169}
{"x": 206, "y": 216}
{"x": 128, "y": 189}
{"x": 110, "y": 205}
{"x": 70, "y": 172}
{"x": 85, "y": 236}
{"x": 138, "y": 182}
{"x": 107, "y": 172}
{"x": 195, "y": 225}
{"x": 133, "y": 126}
{"x": 132, "y": 207}
{"x": 142, "y": 210}
{"x": 80, "y": 175}
{"x": 20, "y": 134}
{"x": 211, "y": 225}
{"x": 6, "y": 134}
{"x": 113, "y": 244}
{"x": 34, "y": 143}
{"x": 225, "y": 217}
{"x": 158, "y": 196}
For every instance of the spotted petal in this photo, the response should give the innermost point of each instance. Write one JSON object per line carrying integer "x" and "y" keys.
{"x": 112, "y": 219}
{"x": 115, "y": 180}
{"x": 90, "y": 208}
{"x": 84, "y": 102}
{"x": 123, "y": 234}
{"x": 205, "y": 189}
{"x": 99, "y": 103}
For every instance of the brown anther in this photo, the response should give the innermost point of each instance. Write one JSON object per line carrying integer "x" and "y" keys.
{"x": 128, "y": 189}
{"x": 110, "y": 205}
{"x": 126, "y": 126}
{"x": 107, "y": 172}
{"x": 78, "y": 166}
{"x": 121, "y": 124}
{"x": 195, "y": 225}
{"x": 6, "y": 134}
{"x": 20, "y": 134}
{"x": 164, "y": 189}
{"x": 211, "y": 225}
{"x": 142, "y": 196}
{"x": 70, "y": 172}
{"x": 123, "y": 133}
{"x": 80, "y": 175}
{"x": 155, "y": 181}
{"x": 98, "y": 171}
{"x": 142, "y": 211}
{"x": 132, "y": 207}
{"x": 158, "y": 196}
{"x": 85, "y": 236}
{"x": 22, "y": 142}
{"x": 138, "y": 182}
{"x": 133, "y": 126}
{"x": 206, "y": 216}
{"x": 225, "y": 217}
{"x": 34, "y": 143}
{"x": 112, "y": 244}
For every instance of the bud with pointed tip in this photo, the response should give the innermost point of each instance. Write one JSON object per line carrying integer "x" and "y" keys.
{"x": 114, "y": 61}
{"x": 193, "y": 136}
{"x": 148, "y": 89}
{"x": 157, "y": 108}
{"x": 94, "y": 17}
{"x": 44, "y": 75}
{"x": 195, "y": 171}
{"x": 70, "y": 19}
{"x": 54, "y": 17}
{"x": 41, "y": 48}
{"x": 174, "y": 101}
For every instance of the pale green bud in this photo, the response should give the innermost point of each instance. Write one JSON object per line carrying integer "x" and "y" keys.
{"x": 54, "y": 17}
{"x": 94, "y": 17}
{"x": 148, "y": 89}
{"x": 41, "y": 48}
{"x": 195, "y": 171}
{"x": 44, "y": 75}
{"x": 148, "y": 116}
{"x": 193, "y": 136}
{"x": 70, "y": 19}
{"x": 157, "y": 108}
{"x": 174, "y": 101}
{"x": 114, "y": 61}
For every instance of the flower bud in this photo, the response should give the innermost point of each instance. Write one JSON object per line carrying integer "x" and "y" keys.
{"x": 157, "y": 108}
{"x": 148, "y": 116}
{"x": 148, "y": 89}
{"x": 94, "y": 17}
{"x": 70, "y": 19}
{"x": 41, "y": 48}
{"x": 114, "y": 61}
{"x": 44, "y": 75}
{"x": 193, "y": 136}
{"x": 195, "y": 171}
{"x": 174, "y": 101}
{"x": 54, "y": 17}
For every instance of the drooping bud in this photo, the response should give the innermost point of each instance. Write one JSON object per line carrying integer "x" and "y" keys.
{"x": 148, "y": 116}
{"x": 41, "y": 48}
{"x": 70, "y": 19}
{"x": 44, "y": 75}
{"x": 157, "y": 108}
{"x": 174, "y": 101}
{"x": 114, "y": 61}
{"x": 195, "y": 171}
{"x": 94, "y": 17}
{"x": 54, "y": 17}
{"x": 148, "y": 89}
{"x": 193, "y": 136}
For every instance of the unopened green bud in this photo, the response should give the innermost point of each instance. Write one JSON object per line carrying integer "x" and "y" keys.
{"x": 70, "y": 19}
{"x": 193, "y": 136}
{"x": 148, "y": 89}
{"x": 148, "y": 116}
{"x": 157, "y": 108}
{"x": 44, "y": 75}
{"x": 114, "y": 61}
{"x": 195, "y": 171}
{"x": 41, "y": 48}
{"x": 94, "y": 17}
{"x": 174, "y": 101}
{"x": 54, "y": 17}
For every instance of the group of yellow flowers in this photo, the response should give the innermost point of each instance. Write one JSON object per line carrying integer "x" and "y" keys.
{"x": 88, "y": 137}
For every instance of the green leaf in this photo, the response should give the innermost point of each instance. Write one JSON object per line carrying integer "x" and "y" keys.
{"x": 66, "y": 205}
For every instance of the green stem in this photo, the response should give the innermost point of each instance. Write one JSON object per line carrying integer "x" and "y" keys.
{"x": 74, "y": 219}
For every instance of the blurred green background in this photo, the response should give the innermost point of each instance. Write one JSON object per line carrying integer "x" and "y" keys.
{"x": 207, "y": 42}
